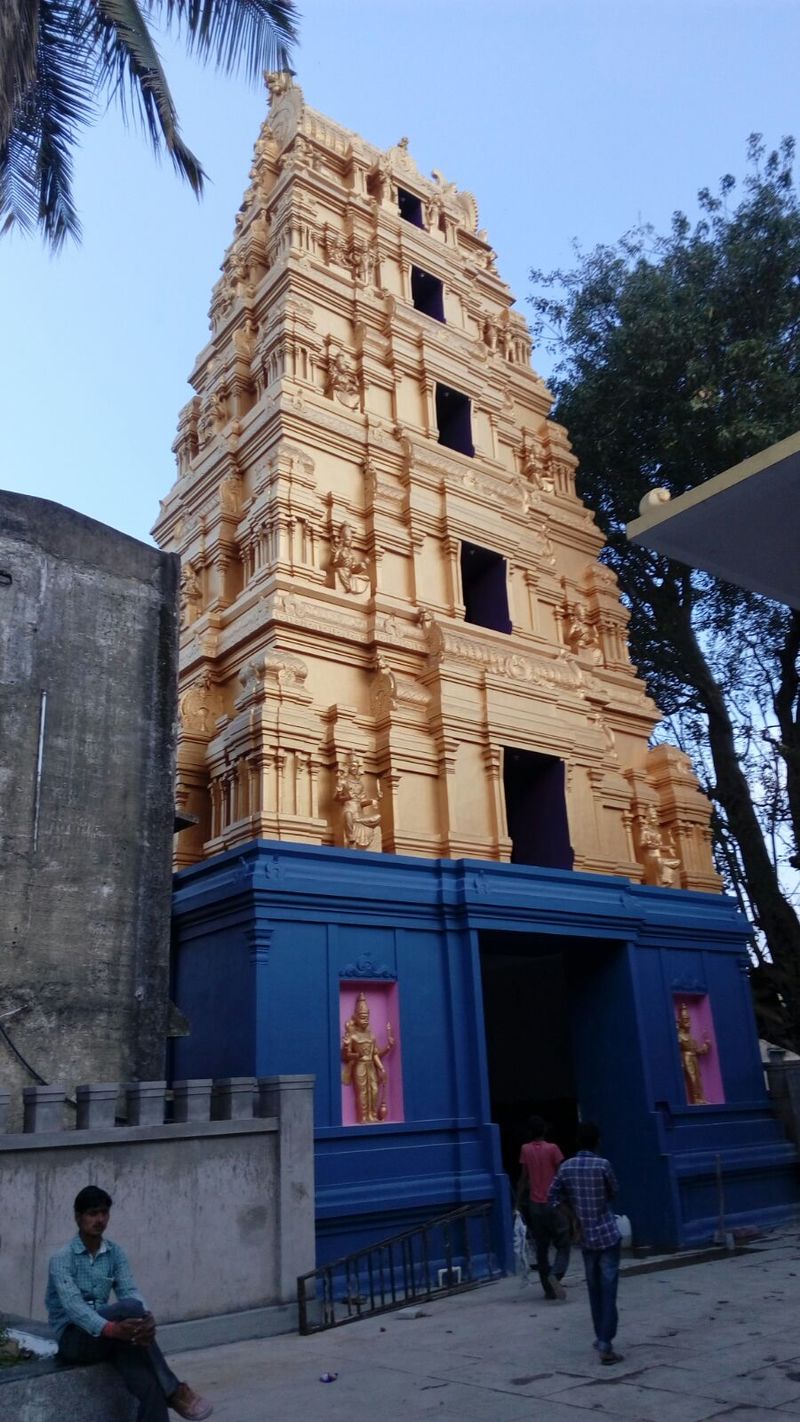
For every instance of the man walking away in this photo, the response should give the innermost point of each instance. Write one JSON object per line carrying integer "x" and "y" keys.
{"x": 89, "y": 1329}
{"x": 540, "y": 1160}
{"x": 587, "y": 1184}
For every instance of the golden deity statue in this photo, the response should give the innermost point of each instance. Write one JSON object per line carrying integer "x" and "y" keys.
{"x": 659, "y": 859}
{"x": 690, "y": 1051}
{"x": 363, "y": 1065}
{"x": 361, "y": 815}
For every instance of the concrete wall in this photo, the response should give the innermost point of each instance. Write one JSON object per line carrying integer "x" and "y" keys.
{"x": 88, "y": 646}
{"x": 216, "y": 1215}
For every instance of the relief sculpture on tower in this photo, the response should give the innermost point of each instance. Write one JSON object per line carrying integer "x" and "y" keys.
{"x": 361, "y": 814}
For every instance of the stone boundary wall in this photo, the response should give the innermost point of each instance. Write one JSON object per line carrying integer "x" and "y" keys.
{"x": 215, "y": 1208}
{"x": 783, "y": 1084}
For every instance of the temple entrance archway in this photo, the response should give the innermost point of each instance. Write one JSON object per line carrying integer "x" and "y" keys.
{"x": 546, "y": 1001}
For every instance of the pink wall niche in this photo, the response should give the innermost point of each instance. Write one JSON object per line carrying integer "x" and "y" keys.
{"x": 382, "y": 1001}
{"x": 702, "y": 1024}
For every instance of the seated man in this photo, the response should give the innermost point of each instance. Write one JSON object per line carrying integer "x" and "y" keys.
{"x": 91, "y": 1330}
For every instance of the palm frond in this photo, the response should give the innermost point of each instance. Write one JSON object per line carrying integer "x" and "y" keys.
{"x": 252, "y": 34}
{"x": 35, "y": 161}
{"x": 128, "y": 61}
{"x": 19, "y": 28}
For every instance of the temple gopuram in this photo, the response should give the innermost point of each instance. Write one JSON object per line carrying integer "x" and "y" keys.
{"x": 436, "y": 860}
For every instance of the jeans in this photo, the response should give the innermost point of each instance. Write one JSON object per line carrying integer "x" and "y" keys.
{"x": 145, "y": 1371}
{"x": 602, "y": 1277}
{"x": 547, "y": 1226}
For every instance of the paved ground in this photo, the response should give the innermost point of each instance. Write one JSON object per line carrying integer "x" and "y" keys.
{"x": 719, "y": 1339}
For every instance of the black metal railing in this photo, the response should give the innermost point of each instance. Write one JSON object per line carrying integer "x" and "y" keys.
{"x": 446, "y": 1255}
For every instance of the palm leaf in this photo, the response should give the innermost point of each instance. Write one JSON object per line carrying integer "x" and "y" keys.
{"x": 256, "y": 34}
{"x": 35, "y": 161}
{"x": 128, "y": 59}
{"x": 19, "y": 29}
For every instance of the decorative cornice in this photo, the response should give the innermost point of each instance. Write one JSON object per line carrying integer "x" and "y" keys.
{"x": 366, "y": 970}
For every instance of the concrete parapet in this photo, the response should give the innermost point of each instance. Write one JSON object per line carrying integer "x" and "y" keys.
{"x": 291, "y": 1100}
{"x": 245, "y": 1257}
{"x": 783, "y": 1081}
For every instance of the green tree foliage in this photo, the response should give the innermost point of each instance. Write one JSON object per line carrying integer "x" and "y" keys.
{"x": 679, "y": 356}
{"x": 61, "y": 61}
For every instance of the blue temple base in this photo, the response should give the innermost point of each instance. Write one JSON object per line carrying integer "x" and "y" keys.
{"x": 519, "y": 989}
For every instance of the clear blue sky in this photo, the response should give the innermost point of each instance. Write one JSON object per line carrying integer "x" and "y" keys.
{"x": 566, "y": 118}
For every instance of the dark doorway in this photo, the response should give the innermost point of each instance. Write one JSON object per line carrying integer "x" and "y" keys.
{"x": 564, "y": 1041}
{"x": 410, "y": 207}
{"x": 528, "y": 1042}
{"x": 454, "y": 420}
{"x": 483, "y": 581}
{"x": 536, "y": 809}
{"x": 427, "y": 293}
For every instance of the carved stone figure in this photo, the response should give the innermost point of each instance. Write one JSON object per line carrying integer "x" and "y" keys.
{"x": 191, "y": 597}
{"x": 195, "y": 706}
{"x": 277, "y": 82}
{"x": 360, "y": 814}
{"x": 350, "y": 570}
{"x": 657, "y": 853}
{"x": 690, "y": 1050}
{"x": 342, "y": 383}
{"x": 230, "y": 493}
{"x": 535, "y": 467}
{"x": 363, "y": 1065}
{"x": 582, "y": 637}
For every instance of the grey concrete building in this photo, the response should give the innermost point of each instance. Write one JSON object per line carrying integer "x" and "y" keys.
{"x": 88, "y": 644}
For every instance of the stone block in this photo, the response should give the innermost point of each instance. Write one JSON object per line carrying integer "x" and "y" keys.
{"x": 192, "y": 1099}
{"x": 44, "y": 1392}
{"x": 97, "y": 1104}
{"x": 145, "y": 1102}
{"x": 43, "y": 1108}
{"x": 232, "y": 1099}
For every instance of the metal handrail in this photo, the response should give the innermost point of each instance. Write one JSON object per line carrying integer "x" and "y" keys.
{"x": 398, "y": 1270}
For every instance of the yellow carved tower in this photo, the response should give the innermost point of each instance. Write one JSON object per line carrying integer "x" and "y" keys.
{"x": 396, "y": 634}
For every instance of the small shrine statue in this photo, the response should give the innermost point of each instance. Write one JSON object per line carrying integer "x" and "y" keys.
{"x": 582, "y": 637}
{"x": 361, "y": 815}
{"x": 363, "y": 1065}
{"x": 350, "y": 570}
{"x": 690, "y": 1050}
{"x": 658, "y": 854}
{"x": 191, "y": 595}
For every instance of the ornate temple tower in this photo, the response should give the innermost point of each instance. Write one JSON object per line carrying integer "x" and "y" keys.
{"x": 435, "y": 861}
{"x": 396, "y": 634}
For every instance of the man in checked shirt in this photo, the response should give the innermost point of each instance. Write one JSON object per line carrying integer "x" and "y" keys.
{"x": 89, "y": 1329}
{"x": 587, "y": 1184}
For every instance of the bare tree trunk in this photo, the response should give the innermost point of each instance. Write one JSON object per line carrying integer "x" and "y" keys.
{"x": 787, "y": 711}
{"x": 772, "y": 913}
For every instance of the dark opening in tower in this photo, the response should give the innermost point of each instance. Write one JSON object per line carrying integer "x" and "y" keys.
{"x": 536, "y": 809}
{"x": 410, "y": 207}
{"x": 427, "y": 293}
{"x": 454, "y": 419}
{"x": 483, "y": 582}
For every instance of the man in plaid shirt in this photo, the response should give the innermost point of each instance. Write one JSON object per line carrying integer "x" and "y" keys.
{"x": 587, "y": 1184}
{"x": 89, "y": 1329}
